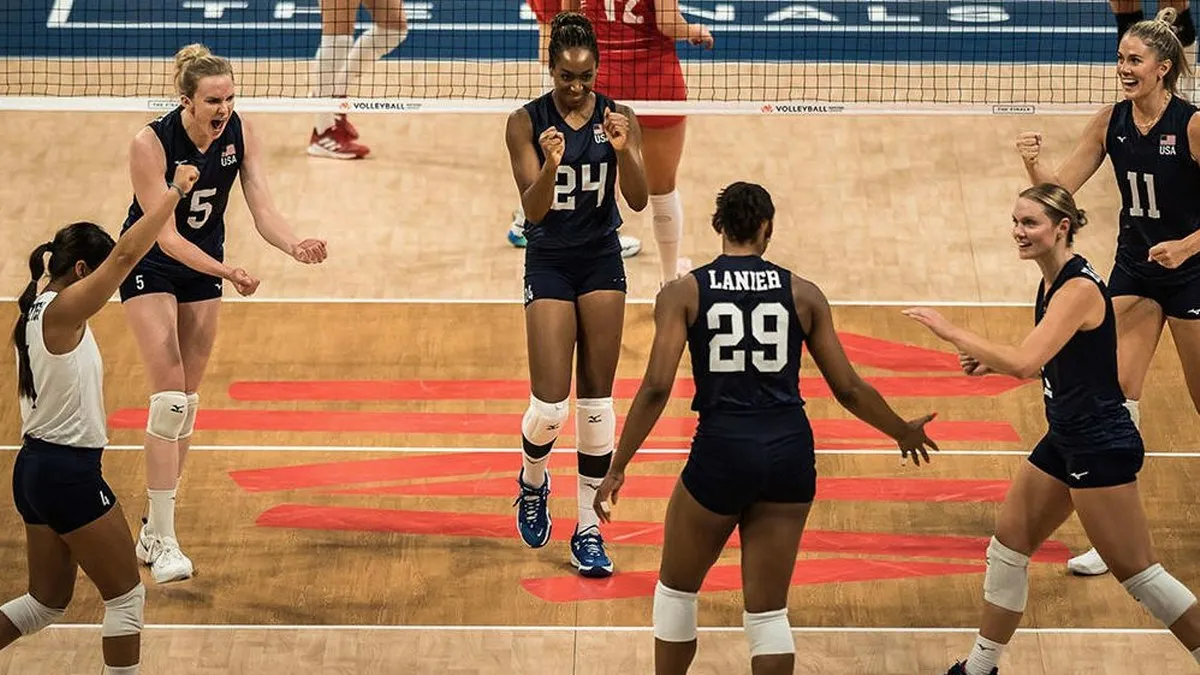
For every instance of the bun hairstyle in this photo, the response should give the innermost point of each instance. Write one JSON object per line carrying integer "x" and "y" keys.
{"x": 1159, "y": 35}
{"x": 570, "y": 30}
{"x": 742, "y": 208}
{"x": 1057, "y": 203}
{"x": 78, "y": 241}
{"x": 194, "y": 63}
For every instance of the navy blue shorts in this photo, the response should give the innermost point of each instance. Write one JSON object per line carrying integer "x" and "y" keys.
{"x": 1179, "y": 300}
{"x": 187, "y": 285}
{"x": 1103, "y": 455}
{"x": 566, "y": 274}
{"x": 60, "y": 486}
{"x": 738, "y": 459}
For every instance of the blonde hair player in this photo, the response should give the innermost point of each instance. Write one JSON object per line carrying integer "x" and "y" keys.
{"x": 172, "y": 297}
{"x": 638, "y": 37}
{"x": 545, "y": 11}
{"x": 1089, "y": 459}
{"x": 339, "y": 62}
{"x": 72, "y": 518}
{"x": 1153, "y": 140}
{"x": 752, "y": 464}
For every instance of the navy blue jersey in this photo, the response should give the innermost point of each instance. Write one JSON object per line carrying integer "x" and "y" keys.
{"x": 200, "y": 216}
{"x": 1160, "y": 187}
{"x": 1079, "y": 383}
{"x": 584, "y": 209}
{"x": 746, "y": 341}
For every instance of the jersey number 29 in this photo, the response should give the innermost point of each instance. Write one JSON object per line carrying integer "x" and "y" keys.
{"x": 724, "y": 356}
{"x": 566, "y": 181}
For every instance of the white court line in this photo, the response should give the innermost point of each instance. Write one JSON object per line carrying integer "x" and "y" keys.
{"x": 514, "y": 450}
{"x": 618, "y": 629}
{"x": 629, "y": 301}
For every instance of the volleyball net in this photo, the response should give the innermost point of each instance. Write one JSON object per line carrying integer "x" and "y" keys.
{"x": 770, "y": 56}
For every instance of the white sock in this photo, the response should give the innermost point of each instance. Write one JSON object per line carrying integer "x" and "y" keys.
{"x": 121, "y": 670}
{"x": 329, "y": 60}
{"x": 162, "y": 513}
{"x": 518, "y": 223}
{"x": 1132, "y": 406}
{"x": 374, "y": 44}
{"x": 535, "y": 470}
{"x": 667, "y": 212}
{"x": 587, "y": 496}
{"x": 984, "y": 656}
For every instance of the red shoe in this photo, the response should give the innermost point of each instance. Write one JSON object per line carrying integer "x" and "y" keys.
{"x": 340, "y": 119}
{"x": 336, "y": 143}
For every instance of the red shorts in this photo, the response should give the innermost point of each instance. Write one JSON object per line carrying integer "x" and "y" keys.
{"x": 545, "y": 10}
{"x": 644, "y": 77}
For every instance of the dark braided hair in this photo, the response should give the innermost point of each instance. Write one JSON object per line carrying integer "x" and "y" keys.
{"x": 570, "y": 30}
{"x": 78, "y": 241}
{"x": 742, "y": 208}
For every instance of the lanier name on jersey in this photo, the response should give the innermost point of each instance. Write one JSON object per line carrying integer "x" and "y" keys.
{"x": 744, "y": 280}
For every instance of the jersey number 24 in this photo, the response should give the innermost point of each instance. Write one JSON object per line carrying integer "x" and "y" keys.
{"x": 724, "y": 355}
{"x": 566, "y": 181}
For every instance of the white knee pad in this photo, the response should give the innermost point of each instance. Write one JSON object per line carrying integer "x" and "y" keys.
{"x": 29, "y": 615}
{"x": 1160, "y": 593}
{"x": 668, "y": 217}
{"x": 595, "y": 426}
{"x": 674, "y": 614}
{"x": 123, "y": 614}
{"x": 543, "y": 421}
{"x": 769, "y": 632}
{"x": 168, "y": 412}
{"x": 1006, "y": 583}
{"x": 189, "y": 419}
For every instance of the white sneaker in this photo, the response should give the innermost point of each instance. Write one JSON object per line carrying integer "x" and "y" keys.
{"x": 148, "y": 548}
{"x": 630, "y": 246}
{"x": 1088, "y": 565}
{"x": 167, "y": 563}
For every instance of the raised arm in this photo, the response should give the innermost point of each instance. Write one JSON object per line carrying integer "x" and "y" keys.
{"x": 850, "y": 390}
{"x": 269, "y": 222}
{"x": 1081, "y": 165}
{"x": 534, "y": 183}
{"x": 1078, "y": 305}
{"x": 626, "y": 138}
{"x": 147, "y": 166}
{"x": 671, "y": 23}
{"x": 81, "y": 300}
{"x": 670, "y": 337}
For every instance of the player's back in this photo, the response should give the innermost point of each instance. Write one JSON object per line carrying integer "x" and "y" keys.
{"x": 200, "y": 218}
{"x": 746, "y": 341}
{"x": 1157, "y": 178}
{"x": 625, "y": 28}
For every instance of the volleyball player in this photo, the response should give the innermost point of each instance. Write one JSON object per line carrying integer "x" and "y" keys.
{"x": 72, "y": 518}
{"x": 1153, "y": 140}
{"x": 638, "y": 39}
{"x": 752, "y": 463}
{"x": 172, "y": 296}
{"x": 340, "y": 60}
{"x": 1128, "y": 12}
{"x": 570, "y": 149}
{"x": 544, "y": 11}
{"x": 1089, "y": 459}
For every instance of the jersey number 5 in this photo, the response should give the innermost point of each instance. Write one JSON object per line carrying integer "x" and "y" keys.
{"x": 566, "y": 181}
{"x": 201, "y": 209}
{"x": 1135, "y": 196}
{"x": 724, "y": 356}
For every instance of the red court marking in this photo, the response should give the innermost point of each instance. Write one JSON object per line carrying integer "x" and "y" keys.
{"x": 660, "y": 487}
{"x": 503, "y": 423}
{"x": 888, "y": 355}
{"x": 445, "y": 390}
{"x": 573, "y": 588}
{"x": 495, "y": 526}
{"x": 437, "y": 465}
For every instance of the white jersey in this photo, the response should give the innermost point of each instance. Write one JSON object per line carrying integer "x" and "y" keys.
{"x": 69, "y": 408}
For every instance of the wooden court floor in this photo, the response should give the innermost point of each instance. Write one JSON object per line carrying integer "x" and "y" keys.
{"x": 351, "y": 488}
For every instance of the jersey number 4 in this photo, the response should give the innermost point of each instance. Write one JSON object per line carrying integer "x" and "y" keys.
{"x": 566, "y": 181}
{"x": 201, "y": 210}
{"x": 724, "y": 356}
{"x": 1135, "y": 209}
